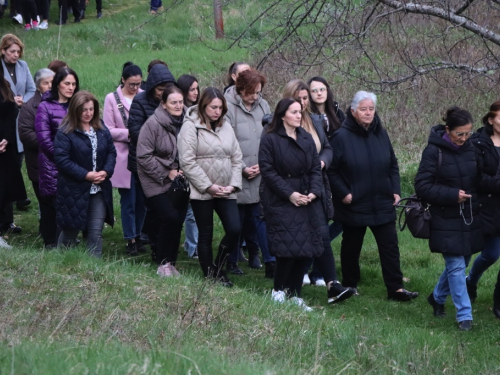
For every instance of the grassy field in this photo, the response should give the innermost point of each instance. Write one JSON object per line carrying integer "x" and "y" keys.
{"x": 65, "y": 313}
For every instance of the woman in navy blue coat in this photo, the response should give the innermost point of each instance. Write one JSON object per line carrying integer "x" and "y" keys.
{"x": 85, "y": 157}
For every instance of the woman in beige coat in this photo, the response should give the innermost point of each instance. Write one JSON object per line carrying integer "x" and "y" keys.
{"x": 210, "y": 157}
{"x": 157, "y": 166}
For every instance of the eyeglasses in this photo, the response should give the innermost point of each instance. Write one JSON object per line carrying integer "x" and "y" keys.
{"x": 461, "y": 135}
{"x": 315, "y": 91}
{"x": 134, "y": 85}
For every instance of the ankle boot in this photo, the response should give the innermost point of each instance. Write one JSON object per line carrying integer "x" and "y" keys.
{"x": 222, "y": 255}
{"x": 253, "y": 259}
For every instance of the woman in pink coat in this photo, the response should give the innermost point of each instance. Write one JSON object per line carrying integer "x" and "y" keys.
{"x": 116, "y": 112}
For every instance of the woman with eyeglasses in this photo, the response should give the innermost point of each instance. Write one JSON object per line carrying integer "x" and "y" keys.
{"x": 487, "y": 142}
{"x": 116, "y": 111}
{"x": 448, "y": 179}
{"x": 365, "y": 188}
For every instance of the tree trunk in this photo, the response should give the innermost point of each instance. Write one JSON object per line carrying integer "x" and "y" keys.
{"x": 219, "y": 22}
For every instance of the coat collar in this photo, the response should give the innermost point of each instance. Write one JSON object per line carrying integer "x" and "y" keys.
{"x": 352, "y": 125}
{"x": 19, "y": 77}
{"x": 125, "y": 103}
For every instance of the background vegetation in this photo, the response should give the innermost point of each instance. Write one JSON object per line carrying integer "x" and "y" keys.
{"x": 63, "y": 312}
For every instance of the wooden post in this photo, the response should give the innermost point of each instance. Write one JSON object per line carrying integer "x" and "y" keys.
{"x": 219, "y": 22}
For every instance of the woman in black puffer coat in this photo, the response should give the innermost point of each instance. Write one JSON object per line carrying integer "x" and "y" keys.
{"x": 291, "y": 197}
{"x": 487, "y": 143}
{"x": 364, "y": 178}
{"x": 85, "y": 157}
{"x": 448, "y": 179}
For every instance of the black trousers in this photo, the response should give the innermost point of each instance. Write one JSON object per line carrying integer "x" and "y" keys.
{"x": 98, "y": 5}
{"x": 63, "y": 9}
{"x": 42, "y": 7}
{"x": 48, "y": 223}
{"x": 388, "y": 249}
{"x": 203, "y": 211}
{"x": 170, "y": 221}
{"x": 7, "y": 211}
{"x": 29, "y": 10}
{"x": 289, "y": 273}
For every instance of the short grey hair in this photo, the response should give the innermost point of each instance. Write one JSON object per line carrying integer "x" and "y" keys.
{"x": 362, "y": 95}
{"x": 41, "y": 75}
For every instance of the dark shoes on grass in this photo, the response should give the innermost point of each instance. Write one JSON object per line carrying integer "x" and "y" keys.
{"x": 465, "y": 325}
{"x": 402, "y": 296}
{"x": 338, "y": 293}
{"x": 234, "y": 269}
{"x": 438, "y": 308}
{"x": 471, "y": 290}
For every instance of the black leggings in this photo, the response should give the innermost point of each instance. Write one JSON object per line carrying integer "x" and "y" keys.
{"x": 170, "y": 222}
{"x": 29, "y": 10}
{"x": 42, "y": 7}
{"x": 289, "y": 273}
{"x": 227, "y": 210}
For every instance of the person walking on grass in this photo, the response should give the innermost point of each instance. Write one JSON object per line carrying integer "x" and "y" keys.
{"x": 11, "y": 180}
{"x": 211, "y": 159}
{"x": 448, "y": 179}
{"x": 291, "y": 191}
{"x": 27, "y": 134}
{"x": 116, "y": 114}
{"x": 85, "y": 157}
{"x": 487, "y": 142}
{"x": 364, "y": 179}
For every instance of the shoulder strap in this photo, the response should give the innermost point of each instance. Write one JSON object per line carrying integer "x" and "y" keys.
{"x": 119, "y": 105}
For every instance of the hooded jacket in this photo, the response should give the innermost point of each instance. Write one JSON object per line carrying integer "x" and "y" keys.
{"x": 143, "y": 106}
{"x": 247, "y": 126}
{"x": 453, "y": 230}
{"x": 208, "y": 157}
{"x": 157, "y": 153}
{"x": 49, "y": 115}
{"x": 364, "y": 165}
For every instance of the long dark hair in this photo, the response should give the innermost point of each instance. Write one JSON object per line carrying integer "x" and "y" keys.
{"x": 129, "y": 70}
{"x": 330, "y": 111}
{"x": 456, "y": 117}
{"x": 5, "y": 90}
{"x": 233, "y": 68}
{"x": 279, "y": 113}
{"x": 185, "y": 81}
{"x": 58, "y": 78}
{"x": 209, "y": 94}
{"x": 494, "y": 109}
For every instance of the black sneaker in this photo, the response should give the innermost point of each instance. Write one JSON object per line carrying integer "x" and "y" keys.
{"x": 465, "y": 325}
{"x": 141, "y": 247}
{"x": 99, "y": 14}
{"x": 195, "y": 255}
{"x": 471, "y": 290}
{"x": 338, "y": 293}
{"x": 132, "y": 249}
{"x": 13, "y": 228}
{"x": 219, "y": 276}
{"x": 438, "y": 308}
{"x": 23, "y": 204}
{"x": 254, "y": 261}
{"x": 234, "y": 269}
{"x": 402, "y": 296}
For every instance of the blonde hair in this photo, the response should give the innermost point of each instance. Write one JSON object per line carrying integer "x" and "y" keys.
{"x": 291, "y": 90}
{"x": 10, "y": 39}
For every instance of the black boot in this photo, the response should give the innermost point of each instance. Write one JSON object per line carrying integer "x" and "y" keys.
{"x": 438, "y": 308}
{"x": 222, "y": 255}
{"x": 219, "y": 276}
{"x": 496, "y": 300}
{"x": 471, "y": 290}
{"x": 253, "y": 259}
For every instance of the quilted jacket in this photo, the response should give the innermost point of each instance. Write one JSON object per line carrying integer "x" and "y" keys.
{"x": 143, "y": 106}
{"x": 207, "y": 157}
{"x": 73, "y": 157}
{"x": 156, "y": 153}
{"x": 49, "y": 115}
{"x": 27, "y": 134}
{"x": 459, "y": 170}
{"x": 289, "y": 166}
{"x": 489, "y": 192}
{"x": 363, "y": 164}
{"x": 247, "y": 126}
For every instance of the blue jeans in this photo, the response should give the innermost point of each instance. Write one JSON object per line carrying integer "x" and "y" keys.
{"x": 155, "y": 4}
{"x": 133, "y": 209}
{"x": 253, "y": 231}
{"x": 191, "y": 232}
{"x": 452, "y": 282}
{"x": 96, "y": 214}
{"x": 487, "y": 257}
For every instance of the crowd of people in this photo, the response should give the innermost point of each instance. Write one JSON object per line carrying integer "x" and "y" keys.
{"x": 283, "y": 183}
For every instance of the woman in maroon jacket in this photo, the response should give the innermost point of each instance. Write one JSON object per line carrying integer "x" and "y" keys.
{"x": 49, "y": 115}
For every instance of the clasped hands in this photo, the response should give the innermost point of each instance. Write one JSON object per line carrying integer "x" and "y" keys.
{"x": 251, "y": 172}
{"x": 217, "y": 191}
{"x": 3, "y": 145}
{"x": 96, "y": 177}
{"x": 348, "y": 199}
{"x": 300, "y": 199}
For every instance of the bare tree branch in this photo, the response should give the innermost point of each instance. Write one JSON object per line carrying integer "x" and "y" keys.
{"x": 464, "y": 7}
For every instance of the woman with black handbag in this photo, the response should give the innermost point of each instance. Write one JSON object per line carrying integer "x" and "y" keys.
{"x": 455, "y": 228}
{"x": 158, "y": 167}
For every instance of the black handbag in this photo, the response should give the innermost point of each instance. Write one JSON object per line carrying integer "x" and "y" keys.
{"x": 179, "y": 191}
{"x": 417, "y": 216}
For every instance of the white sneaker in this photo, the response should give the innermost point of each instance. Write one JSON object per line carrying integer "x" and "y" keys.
{"x": 4, "y": 244}
{"x": 167, "y": 270}
{"x": 320, "y": 282}
{"x": 300, "y": 302}
{"x": 306, "y": 280}
{"x": 44, "y": 25}
{"x": 18, "y": 18}
{"x": 278, "y": 296}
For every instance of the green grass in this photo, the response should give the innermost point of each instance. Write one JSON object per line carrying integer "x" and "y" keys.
{"x": 66, "y": 313}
